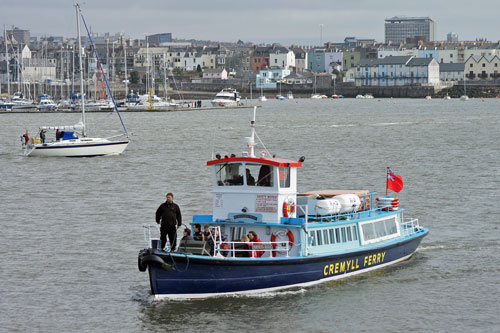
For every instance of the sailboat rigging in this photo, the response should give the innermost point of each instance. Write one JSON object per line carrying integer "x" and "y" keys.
{"x": 67, "y": 142}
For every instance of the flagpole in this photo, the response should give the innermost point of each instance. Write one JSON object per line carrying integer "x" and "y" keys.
{"x": 387, "y": 182}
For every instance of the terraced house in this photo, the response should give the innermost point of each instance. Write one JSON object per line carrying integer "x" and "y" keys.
{"x": 397, "y": 71}
{"x": 482, "y": 68}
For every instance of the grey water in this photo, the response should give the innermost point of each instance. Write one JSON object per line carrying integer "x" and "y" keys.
{"x": 71, "y": 229}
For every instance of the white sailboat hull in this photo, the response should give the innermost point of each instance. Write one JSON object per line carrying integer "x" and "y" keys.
{"x": 86, "y": 147}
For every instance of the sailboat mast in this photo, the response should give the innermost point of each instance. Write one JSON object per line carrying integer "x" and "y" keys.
{"x": 7, "y": 59}
{"x": 126, "y": 74}
{"x": 77, "y": 6}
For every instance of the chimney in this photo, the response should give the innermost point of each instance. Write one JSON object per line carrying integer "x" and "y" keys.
{"x": 329, "y": 45}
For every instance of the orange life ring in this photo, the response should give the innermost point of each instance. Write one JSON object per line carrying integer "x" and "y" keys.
{"x": 288, "y": 208}
{"x": 291, "y": 240}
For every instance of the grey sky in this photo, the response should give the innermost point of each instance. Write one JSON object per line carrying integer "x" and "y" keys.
{"x": 256, "y": 20}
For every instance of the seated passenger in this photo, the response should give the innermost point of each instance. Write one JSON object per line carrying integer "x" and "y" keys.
{"x": 250, "y": 179}
{"x": 197, "y": 235}
{"x": 215, "y": 237}
{"x": 187, "y": 235}
{"x": 244, "y": 249}
{"x": 206, "y": 232}
{"x": 252, "y": 235}
{"x": 264, "y": 176}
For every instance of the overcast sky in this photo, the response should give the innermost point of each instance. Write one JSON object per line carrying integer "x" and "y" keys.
{"x": 257, "y": 21}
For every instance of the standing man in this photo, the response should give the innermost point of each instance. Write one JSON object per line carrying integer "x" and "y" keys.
{"x": 169, "y": 215}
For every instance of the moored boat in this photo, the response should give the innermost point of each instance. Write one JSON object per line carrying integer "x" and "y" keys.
{"x": 305, "y": 238}
{"x": 227, "y": 97}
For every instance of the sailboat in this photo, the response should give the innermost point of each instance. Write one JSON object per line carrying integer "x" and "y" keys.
{"x": 464, "y": 97}
{"x": 262, "y": 98}
{"x": 72, "y": 141}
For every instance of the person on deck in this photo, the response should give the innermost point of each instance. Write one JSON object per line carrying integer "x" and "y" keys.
{"x": 197, "y": 235}
{"x": 42, "y": 136}
{"x": 250, "y": 179}
{"x": 252, "y": 235}
{"x": 206, "y": 232}
{"x": 170, "y": 218}
{"x": 187, "y": 234}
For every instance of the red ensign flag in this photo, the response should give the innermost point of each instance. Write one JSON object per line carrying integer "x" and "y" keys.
{"x": 394, "y": 182}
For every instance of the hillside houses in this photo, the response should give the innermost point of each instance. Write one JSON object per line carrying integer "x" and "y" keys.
{"x": 356, "y": 62}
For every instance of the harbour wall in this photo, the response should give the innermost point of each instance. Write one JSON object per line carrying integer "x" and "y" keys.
{"x": 195, "y": 91}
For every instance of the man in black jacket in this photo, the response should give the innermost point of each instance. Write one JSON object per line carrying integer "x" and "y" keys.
{"x": 169, "y": 215}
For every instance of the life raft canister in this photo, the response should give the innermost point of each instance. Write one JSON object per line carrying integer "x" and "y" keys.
{"x": 288, "y": 208}
{"x": 291, "y": 240}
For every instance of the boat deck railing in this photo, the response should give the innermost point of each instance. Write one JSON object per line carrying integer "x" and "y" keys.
{"x": 221, "y": 248}
{"x": 366, "y": 210}
{"x": 409, "y": 226}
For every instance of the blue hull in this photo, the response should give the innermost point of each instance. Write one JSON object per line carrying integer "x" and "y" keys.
{"x": 201, "y": 277}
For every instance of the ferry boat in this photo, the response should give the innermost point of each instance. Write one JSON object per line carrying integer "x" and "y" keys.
{"x": 227, "y": 97}
{"x": 305, "y": 238}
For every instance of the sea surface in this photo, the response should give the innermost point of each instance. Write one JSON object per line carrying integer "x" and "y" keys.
{"x": 71, "y": 229}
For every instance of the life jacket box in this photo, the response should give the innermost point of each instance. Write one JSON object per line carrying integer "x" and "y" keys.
{"x": 155, "y": 243}
{"x": 292, "y": 220}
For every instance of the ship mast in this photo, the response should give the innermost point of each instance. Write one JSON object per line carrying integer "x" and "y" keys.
{"x": 77, "y": 7}
{"x": 251, "y": 140}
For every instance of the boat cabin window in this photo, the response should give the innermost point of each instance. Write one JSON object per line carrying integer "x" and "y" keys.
{"x": 265, "y": 176}
{"x": 284, "y": 177}
{"x": 252, "y": 172}
{"x": 378, "y": 230}
{"x": 230, "y": 174}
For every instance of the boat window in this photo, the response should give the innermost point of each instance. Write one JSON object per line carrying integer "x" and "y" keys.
{"x": 252, "y": 171}
{"x": 368, "y": 231}
{"x": 284, "y": 177}
{"x": 325, "y": 237}
{"x": 332, "y": 236}
{"x": 313, "y": 239}
{"x": 379, "y": 229}
{"x": 343, "y": 235}
{"x": 337, "y": 235}
{"x": 265, "y": 176}
{"x": 354, "y": 233}
{"x": 230, "y": 174}
{"x": 349, "y": 236}
{"x": 318, "y": 236}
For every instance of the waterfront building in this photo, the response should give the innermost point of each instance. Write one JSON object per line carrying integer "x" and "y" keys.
{"x": 482, "y": 67}
{"x": 451, "y": 72}
{"x": 215, "y": 74}
{"x": 214, "y": 56}
{"x": 300, "y": 59}
{"x": 325, "y": 59}
{"x": 350, "y": 58}
{"x": 397, "y": 71}
{"x": 239, "y": 60}
{"x": 399, "y": 29}
{"x": 280, "y": 56}
{"x": 260, "y": 58}
{"x": 193, "y": 59}
{"x": 271, "y": 77}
